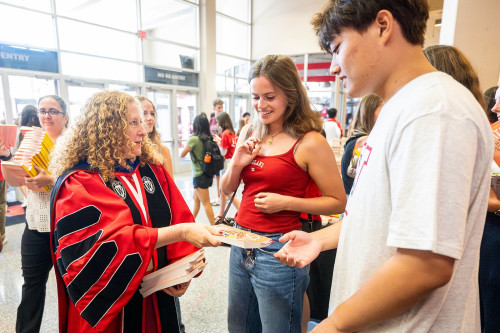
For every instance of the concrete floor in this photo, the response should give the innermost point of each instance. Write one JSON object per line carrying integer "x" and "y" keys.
{"x": 204, "y": 306}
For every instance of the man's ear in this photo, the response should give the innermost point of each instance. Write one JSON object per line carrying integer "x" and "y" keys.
{"x": 385, "y": 24}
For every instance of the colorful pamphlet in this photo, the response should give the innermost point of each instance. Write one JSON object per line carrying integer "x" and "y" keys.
{"x": 8, "y": 135}
{"x": 176, "y": 273}
{"x": 34, "y": 150}
{"x": 242, "y": 238}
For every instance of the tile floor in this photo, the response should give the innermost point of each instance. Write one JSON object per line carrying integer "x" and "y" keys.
{"x": 204, "y": 306}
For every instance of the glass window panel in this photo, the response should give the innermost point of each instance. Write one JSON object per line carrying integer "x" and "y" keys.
{"x": 170, "y": 20}
{"x": 43, "y": 5}
{"x": 39, "y": 31}
{"x": 161, "y": 100}
{"x": 220, "y": 83}
{"x": 230, "y": 66}
{"x": 234, "y": 8}
{"x": 240, "y": 107}
{"x": 186, "y": 108}
{"x": 78, "y": 95}
{"x": 229, "y": 84}
{"x": 165, "y": 54}
{"x": 133, "y": 91}
{"x": 91, "y": 39}
{"x": 87, "y": 66}
{"x": 241, "y": 86}
{"x": 119, "y": 14}
{"x": 26, "y": 90}
{"x": 232, "y": 37}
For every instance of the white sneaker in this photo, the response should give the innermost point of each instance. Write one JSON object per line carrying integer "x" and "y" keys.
{"x": 215, "y": 202}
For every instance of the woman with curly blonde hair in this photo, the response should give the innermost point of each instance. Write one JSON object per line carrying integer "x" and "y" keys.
{"x": 285, "y": 151}
{"x": 116, "y": 216}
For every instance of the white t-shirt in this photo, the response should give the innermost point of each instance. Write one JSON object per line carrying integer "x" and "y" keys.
{"x": 422, "y": 183}
{"x": 332, "y": 131}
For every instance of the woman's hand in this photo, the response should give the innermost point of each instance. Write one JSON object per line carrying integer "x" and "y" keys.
{"x": 246, "y": 152}
{"x": 4, "y": 151}
{"x": 40, "y": 180}
{"x": 177, "y": 290}
{"x": 270, "y": 203}
{"x": 200, "y": 235}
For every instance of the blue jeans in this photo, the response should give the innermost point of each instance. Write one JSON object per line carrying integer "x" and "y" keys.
{"x": 264, "y": 295}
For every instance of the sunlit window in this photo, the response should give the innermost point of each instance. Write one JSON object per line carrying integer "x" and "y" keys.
{"x": 170, "y": 20}
{"x": 34, "y": 28}
{"x": 232, "y": 37}
{"x": 166, "y": 54}
{"x": 238, "y": 9}
{"x": 86, "y": 38}
{"x": 43, "y": 5}
{"x": 119, "y": 14}
{"x": 94, "y": 67}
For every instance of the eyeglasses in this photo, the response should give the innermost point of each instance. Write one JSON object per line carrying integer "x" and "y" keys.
{"x": 51, "y": 112}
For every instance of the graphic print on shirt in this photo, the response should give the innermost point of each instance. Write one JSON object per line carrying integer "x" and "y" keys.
{"x": 259, "y": 164}
{"x": 363, "y": 161}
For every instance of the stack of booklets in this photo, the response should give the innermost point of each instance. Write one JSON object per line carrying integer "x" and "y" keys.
{"x": 242, "y": 238}
{"x": 34, "y": 150}
{"x": 8, "y": 135}
{"x": 176, "y": 273}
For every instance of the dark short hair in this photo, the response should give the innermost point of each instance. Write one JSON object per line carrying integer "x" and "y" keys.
{"x": 489, "y": 98}
{"x": 332, "y": 113}
{"x": 58, "y": 99}
{"x": 245, "y": 114}
{"x": 412, "y": 15}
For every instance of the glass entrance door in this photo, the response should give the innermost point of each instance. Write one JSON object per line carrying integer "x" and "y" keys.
{"x": 161, "y": 100}
{"x": 78, "y": 95}
{"x": 240, "y": 107}
{"x": 186, "y": 104}
{"x": 25, "y": 90}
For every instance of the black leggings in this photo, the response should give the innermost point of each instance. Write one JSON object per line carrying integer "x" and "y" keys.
{"x": 36, "y": 263}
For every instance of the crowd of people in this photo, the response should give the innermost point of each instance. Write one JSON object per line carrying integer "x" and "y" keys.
{"x": 418, "y": 239}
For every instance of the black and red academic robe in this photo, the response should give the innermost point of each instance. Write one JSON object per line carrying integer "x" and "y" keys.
{"x": 103, "y": 237}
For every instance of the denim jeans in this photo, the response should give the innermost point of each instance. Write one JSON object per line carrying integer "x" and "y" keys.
{"x": 264, "y": 295}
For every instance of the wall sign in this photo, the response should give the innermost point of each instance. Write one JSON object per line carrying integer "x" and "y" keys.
{"x": 165, "y": 76}
{"x": 20, "y": 57}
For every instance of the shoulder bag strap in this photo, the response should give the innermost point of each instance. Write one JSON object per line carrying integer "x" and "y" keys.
{"x": 234, "y": 193}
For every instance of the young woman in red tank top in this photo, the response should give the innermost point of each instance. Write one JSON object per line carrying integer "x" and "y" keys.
{"x": 276, "y": 164}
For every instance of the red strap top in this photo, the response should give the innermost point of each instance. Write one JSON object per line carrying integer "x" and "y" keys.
{"x": 276, "y": 174}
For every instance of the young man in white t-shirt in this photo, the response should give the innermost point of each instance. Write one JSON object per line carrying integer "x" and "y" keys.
{"x": 408, "y": 246}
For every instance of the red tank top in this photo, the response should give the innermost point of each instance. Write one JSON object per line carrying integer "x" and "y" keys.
{"x": 276, "y": 174}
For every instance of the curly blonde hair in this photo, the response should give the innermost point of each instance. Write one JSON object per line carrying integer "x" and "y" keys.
{"x": 99, "y": 136}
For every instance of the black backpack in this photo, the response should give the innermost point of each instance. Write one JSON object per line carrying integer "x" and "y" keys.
{"x": 213, "y": 161}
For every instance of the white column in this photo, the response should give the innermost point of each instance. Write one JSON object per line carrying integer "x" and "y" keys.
{"x": 473, "y": 27}
{"x": 208, "y": 91}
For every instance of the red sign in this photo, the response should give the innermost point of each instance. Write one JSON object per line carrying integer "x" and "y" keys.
{"x": 316, "y": 72}
{"x": 141, "y": 34}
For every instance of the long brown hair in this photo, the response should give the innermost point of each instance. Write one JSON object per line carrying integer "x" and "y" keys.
{"x": 225, "y": 122}
{"x": 154, "y": 136}
{"x": 452, "y": 61}
{"x": 299, "y": 117}
{"x": 364, "y": 119}
{"x": 99, "y": 137}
